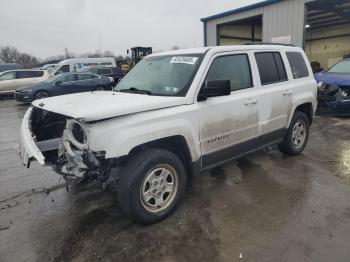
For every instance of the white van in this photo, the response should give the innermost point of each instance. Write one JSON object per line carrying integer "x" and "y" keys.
{"x": 82, "y": 64}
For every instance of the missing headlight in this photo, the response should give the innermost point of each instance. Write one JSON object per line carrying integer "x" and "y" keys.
{"x": 76, "y": 134}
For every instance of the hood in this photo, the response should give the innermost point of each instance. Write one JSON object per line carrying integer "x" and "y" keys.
{"x": 333, "y": 78}
{"x": 92, "y": 106}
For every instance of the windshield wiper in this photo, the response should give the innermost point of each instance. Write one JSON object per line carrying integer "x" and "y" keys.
{"x": 136, "y": 90}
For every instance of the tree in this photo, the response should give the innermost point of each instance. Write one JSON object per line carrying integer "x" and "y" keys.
{"x": 9, "y": 54}
{"x": 107, "y": 54}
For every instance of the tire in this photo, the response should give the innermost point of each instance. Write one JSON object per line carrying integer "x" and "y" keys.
{"x": 41, "y": 94}
{"x": 99, "y": 88}
{"x": 297, "y": 135}
{"x": 142, "y": 185}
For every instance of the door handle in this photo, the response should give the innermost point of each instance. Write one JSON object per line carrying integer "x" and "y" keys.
{"x": 251, "y": 101}
{"x": 287, "y": 92}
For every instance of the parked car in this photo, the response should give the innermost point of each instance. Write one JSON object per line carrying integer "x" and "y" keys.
{"x": 63, "y": 84}
{"x": 114, "y": 72}
{"x": 334, "y": 90}
{"x": 175, "y": 114}
{"x": 10, "y": 80}
{"x": 9, "y": 66}
{"x": 82, "y": 64}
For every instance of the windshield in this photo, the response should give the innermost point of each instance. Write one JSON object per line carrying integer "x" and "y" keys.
{"x": 50, "y": 68}
{"x": 341, "y": 67}
{"x": 161, "y": 75}
{"x": 52, "y": 79}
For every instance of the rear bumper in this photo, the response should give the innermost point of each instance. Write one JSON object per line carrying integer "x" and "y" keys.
{"x": 28, "y": 148}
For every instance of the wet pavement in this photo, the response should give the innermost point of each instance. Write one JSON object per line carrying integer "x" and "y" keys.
{"x": 265, "y": 207}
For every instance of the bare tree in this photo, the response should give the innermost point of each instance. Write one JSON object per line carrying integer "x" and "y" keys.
{"x": 119, "y": 58}
{"x": 27, "y": 60}
{"x": 107, "y": 54}
{"x": 9, "y": 54}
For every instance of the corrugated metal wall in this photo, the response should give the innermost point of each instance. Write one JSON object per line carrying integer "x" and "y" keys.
{"x": 280, "y": 19}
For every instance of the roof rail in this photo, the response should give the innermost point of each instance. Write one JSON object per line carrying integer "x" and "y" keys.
{"x": 262, "y": 43}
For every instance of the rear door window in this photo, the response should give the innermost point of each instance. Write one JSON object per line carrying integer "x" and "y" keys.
{"x": 85, "y": 76}
{"x": 297, "y": 65}
{"x": 235, "y": 68}
{"x": 105, "y": 71}
{"x": 271, "y": 67}
{"x": 26, "y": 74}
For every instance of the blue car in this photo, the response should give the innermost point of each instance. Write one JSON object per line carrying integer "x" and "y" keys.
{"x": 64, "y": 84}
{"x": 334, "y": 90}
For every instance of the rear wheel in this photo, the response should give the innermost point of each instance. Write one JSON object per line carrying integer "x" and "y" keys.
{"x": 151, "y": 185}
{"x": 297, "y": 135}
{"x": 41, "y": 94}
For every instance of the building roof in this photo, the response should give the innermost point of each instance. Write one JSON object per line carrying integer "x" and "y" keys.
{"x": 241, "y": 9}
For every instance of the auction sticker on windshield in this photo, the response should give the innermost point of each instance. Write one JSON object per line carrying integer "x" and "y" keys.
{"x": 183, "y": 60}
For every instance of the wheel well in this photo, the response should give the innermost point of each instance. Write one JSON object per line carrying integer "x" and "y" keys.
{"x": 174, "y": 144}
{"x": 307, "y": 110}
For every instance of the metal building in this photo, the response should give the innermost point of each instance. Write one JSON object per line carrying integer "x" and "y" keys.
{"x": 321, "y": 27}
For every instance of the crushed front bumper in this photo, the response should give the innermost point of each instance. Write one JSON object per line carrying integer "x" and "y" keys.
{"x": 28, "y": 149}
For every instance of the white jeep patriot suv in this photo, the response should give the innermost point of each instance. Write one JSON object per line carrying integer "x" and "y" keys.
{"x": 173, "y": 115}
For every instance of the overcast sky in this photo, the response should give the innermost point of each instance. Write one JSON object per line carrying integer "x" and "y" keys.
{"x": 44, "y": 28}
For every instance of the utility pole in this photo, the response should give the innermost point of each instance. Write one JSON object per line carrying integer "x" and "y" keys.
{"x": 100, "y": 46}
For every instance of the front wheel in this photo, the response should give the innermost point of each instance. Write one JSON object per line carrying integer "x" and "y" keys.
{"x": 151, "y": 186}
{"x": 297, "y": 135}
{"x": 41, "y": 94}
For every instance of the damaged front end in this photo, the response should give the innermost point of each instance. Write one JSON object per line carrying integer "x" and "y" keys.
{"x": 333, "y": 100}
{"x": 62, "y": 142}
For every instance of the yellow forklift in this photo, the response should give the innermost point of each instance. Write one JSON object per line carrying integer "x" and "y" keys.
{"x": 139, "y": 52}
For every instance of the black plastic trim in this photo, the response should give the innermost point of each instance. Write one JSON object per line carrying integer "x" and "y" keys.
{"x": 222, "y": 156}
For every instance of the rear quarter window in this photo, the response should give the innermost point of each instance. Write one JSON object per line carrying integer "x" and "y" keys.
{"x": 39, "y": 73}
{"x": 297, "y": 65}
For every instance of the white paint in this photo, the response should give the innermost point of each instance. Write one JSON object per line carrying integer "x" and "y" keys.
{"x": 91, "y": 106}
{"x": 207, "y": 126}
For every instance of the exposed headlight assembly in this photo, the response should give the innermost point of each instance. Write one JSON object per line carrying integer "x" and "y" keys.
{"x": 76, "y": 133}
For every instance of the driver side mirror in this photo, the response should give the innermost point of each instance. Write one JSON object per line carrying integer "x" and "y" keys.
{"x": 214, "y": 88}
{"x": 57, "y": 83}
